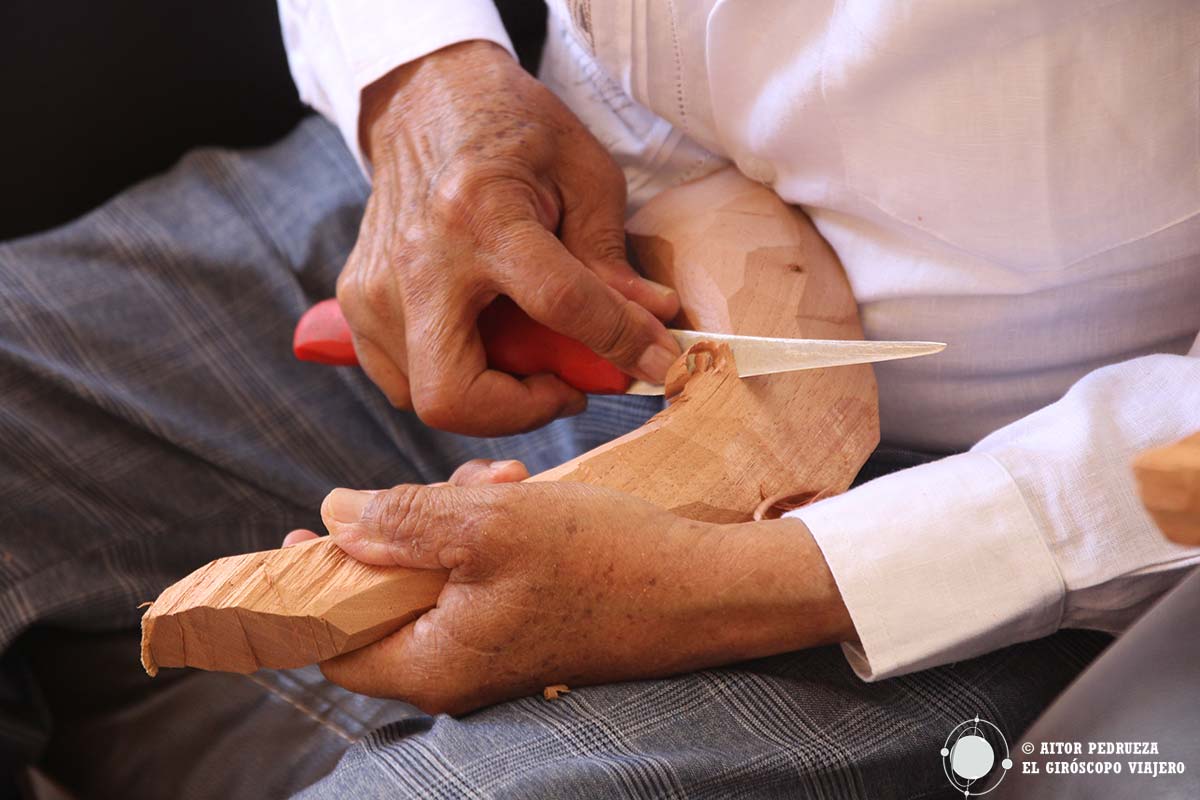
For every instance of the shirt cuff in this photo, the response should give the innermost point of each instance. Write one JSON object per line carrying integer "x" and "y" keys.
{"x": 336, "y": 48}
{"x": 937, "y": 563}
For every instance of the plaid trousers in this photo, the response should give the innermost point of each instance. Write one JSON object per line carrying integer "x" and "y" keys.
{"x": 152, "y": 418}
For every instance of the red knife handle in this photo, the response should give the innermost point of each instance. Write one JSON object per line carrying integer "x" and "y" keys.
{"x": 323, "y": 336}
{"x": 514, "y": 342}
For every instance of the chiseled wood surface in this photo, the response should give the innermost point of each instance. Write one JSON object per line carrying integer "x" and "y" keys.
{"x": 1168, "y": 480}
{"x": 281, "y": 608}
{"x": 743, "y": 262}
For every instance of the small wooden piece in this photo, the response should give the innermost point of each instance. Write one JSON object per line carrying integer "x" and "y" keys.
{"x": 743, "y": 262}
{"x": 1168, "y": 480}
{"x": 556, "y": 691}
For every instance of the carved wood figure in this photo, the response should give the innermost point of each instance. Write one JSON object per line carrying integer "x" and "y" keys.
{"x": 742, "y": 262}
{"x": 1168, "y": 480}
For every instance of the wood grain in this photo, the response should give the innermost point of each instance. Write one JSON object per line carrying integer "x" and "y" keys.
{"x": 743, "y": 262}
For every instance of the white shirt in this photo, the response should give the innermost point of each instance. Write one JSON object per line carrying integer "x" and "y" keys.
{"x": 1016, "y": 178}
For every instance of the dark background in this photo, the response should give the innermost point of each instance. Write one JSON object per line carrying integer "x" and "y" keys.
{"x": 98, "y": 95}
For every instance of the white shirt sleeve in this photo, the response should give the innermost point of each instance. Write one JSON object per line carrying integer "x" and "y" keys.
{"x": 1037, "y": 528}
{"x": 336, "y": 48}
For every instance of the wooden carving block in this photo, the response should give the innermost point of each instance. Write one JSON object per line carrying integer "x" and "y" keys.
{"x": 743, "y": 262}
{"x": 281, "y": 608}
{"x": 1168, "y": 480}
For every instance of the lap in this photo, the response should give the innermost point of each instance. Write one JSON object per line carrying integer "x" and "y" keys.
{"x": 152, "y": 415}
{"x": 796, "y": 725}
{"x": 153, "y": 419}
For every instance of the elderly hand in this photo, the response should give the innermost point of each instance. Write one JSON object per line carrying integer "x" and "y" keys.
{"x": 567, "y": 583}
{"x": 486, "y": 184}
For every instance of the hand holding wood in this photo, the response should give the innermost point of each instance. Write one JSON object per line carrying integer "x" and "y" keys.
{"x": 565, "y": 583}
{"x": 742, "y": 262}
{"x": 483, "y": 184}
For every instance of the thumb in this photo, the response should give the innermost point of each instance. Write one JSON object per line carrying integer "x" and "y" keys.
{"x": 408, "y": 525}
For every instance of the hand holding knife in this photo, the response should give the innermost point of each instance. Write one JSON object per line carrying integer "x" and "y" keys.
{"x": 519, "y": 345}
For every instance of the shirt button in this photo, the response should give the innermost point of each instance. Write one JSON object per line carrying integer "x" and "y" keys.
{"x": 757, "y": 169}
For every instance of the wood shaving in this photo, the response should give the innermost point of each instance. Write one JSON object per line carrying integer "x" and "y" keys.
{"x": 553, "y": 692}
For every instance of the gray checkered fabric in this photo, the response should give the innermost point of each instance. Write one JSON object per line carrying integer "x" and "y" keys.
{"x": 152, "y": 418}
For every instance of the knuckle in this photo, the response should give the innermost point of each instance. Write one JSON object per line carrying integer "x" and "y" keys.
{"x": 365, "y": 288}
{"x": 501, "y": 515}
{"x": 476, "y": 537}
{"x": 606, "y": 245}
{"x": 616, "y": 336}
{"x": 410, "y": 254}
{"x": 454, "y": 194}
{"x": 436, "y": 416}
{"x": 349, "y": 285}
{"x": 400, "y": 513}
{"x": 601, "y": 319}
{"x": 474, "y": 199}
{"x": 562, "y": 298}
{"x": 439, "y": 406}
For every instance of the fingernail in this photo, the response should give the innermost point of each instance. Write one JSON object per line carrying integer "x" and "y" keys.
{"x": 500, "y": 466}
{"x": 346, "y": 506}
{"x": 655, "y": 362}
{"x": 662, "y": 290}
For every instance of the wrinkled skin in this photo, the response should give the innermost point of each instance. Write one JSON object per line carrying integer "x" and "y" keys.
{"x": 484, "y": 183}
{"x": 567, "y": 583}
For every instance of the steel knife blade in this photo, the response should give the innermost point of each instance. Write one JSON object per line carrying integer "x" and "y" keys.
{"x": 763, "y": 355}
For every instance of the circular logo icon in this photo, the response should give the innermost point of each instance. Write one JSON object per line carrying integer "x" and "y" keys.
{"x": 971, "y": 755}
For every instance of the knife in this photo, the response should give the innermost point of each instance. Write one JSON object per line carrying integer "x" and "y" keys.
{"x": 517, "y": 344}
